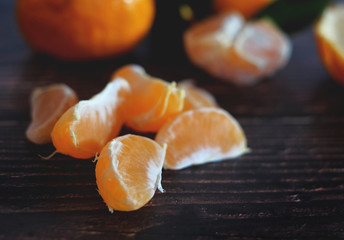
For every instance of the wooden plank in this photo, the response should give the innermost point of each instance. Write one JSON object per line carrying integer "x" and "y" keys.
{"x": 290, "y": 186}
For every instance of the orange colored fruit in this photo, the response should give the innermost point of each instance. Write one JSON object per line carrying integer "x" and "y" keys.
{"x": 246, "y": 7}
{"x": 128, "y": 172}
{"x": 329, "y": 34}
{"x": 200, "y": 136}
{"x": 84, "y": 29}
{"x": 236, "y": 51}
{"x": 153, "y": 101}
{"x": 196, "y": 97}
{"x": 47, "y": 105}
{"x": 84, "y": 129}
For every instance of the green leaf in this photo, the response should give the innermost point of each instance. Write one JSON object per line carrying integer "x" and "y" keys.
{"x": 293, "y": 15}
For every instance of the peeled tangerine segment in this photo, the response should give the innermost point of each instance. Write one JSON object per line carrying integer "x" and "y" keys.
{"x": 47, "y": 105}
{"x": 128, "y": 172}
{"x": 201, "y": 136}
{"x": 329, "y": 33}
{"x": 153, "y": 101}
{"x": 196, "y": 97}
{"x": 83, "y": 130}
{"x": 229, "y": 48}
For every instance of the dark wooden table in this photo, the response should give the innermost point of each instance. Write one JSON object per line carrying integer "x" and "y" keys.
{"x": 290, "y": 186}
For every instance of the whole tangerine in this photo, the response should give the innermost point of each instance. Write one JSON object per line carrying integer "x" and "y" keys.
{"x": 247, "y": 7}
{"x": 84, "y": 29}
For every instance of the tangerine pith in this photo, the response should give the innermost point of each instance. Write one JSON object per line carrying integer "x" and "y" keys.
{"x": 84, "y": 129}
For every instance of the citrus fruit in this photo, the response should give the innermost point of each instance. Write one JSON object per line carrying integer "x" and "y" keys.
{"x": 329, "y": 34}
{"x": 84, "y": 29}
{"x": 246, "y": 7}
{"x": 128, "y": 172}
{"x": 84, "y": 129}
{"x": 47, "y": 105}
{"x": 196, "y": 97}
{"x": 236, "y": 51}
{"x": 200, "y": 136}
{"x": 153, "y": 101}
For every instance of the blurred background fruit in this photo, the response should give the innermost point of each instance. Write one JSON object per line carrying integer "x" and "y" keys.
{"x": 47, "y": 106}
{"x": 329, "y": 34}
{"x": 246, "y": 7}
{"x": 235, "y": 50}
{"x": 84, "y": 29}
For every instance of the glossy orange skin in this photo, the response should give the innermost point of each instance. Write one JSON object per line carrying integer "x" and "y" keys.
{"x": 84, "y": 29}
{"x": 246, "y": 7}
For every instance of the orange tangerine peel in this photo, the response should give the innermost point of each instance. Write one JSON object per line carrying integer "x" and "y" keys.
{"x": 247, "y": 7}
{"x": 84, "y": 30}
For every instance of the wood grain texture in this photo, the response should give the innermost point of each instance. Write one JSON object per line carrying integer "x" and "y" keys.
{"x": 290, "y": 186}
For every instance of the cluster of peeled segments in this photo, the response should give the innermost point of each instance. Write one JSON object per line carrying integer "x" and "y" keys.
{"x": 235, "y": 50}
